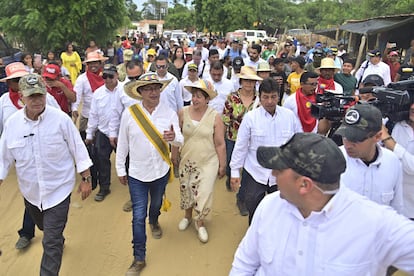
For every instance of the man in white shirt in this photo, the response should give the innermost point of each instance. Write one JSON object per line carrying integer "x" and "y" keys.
{"x": 374, "y": 66}
{"x": 314, "y": 225}
{"x": 196, "y": 60}
{"x": 10, "y": 103}
{"x": 222, "y": 85}
{"x": 213, "y": 56}
{"x": 150, "y": 164}
{"x": 171, "y": 96}
{"x": 269, "y": 125}
{"x": 98, "y": 131}
{"x": 190, "y": 79}
{"x": 372, "y": 170}
{"x": 85, "y": 86}
{"x": 199, "y": 45}
{"x": 254, "y": 56}
{"x": 45, "y": 147}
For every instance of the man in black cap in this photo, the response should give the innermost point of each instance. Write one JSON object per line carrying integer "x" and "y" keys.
{"x": 366, "y": 91}
{"x": 237, "y": 64}
{"x": 374, "y": 66}
{"x": 213, "y": 56}
{"x": 234, "y": 50}
{"x": 313, "y": 225}
{"x": 98, "y": 132}
{"x": 297, "y": 64}
{"x": 200, "y": 46}
{"x": 372, "y": 171}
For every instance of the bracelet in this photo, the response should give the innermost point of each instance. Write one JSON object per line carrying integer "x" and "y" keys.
{"x": 87, "y": 179}
{"x": 386, "y": 139}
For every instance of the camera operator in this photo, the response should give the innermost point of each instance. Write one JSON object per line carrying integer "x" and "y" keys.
{"x": 365, "y": 92}
{"x": 406, "y": 71}
{"x": 402, "y": 144}
{"x": 371, "y": 170}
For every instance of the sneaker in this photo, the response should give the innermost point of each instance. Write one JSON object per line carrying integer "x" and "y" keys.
{"x": 202, "y": 233}
{"x": 135, "y": 268}
{"x": 100, "y": 196}
{"x": 242, "y": 208}
{"x": 127, "y": 206}
{"x": 156, "y": 231}
{"x": 184, "y": 223}
{"x": 22, "y": 242}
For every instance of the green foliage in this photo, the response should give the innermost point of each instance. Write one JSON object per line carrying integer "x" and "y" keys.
{"x": 179, "y": 17}
{"x": 43, "y": 25}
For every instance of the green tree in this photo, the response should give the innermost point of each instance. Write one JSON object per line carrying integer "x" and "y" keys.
{"x": 179, "y": 17}
{"x": 132, "y": 11}
{"x": 43, "y": 25}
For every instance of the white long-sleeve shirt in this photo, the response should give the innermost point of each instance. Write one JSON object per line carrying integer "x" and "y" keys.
{"x": 382, "y": 69}
{"x": 145, "y": 162}
{"x": 45, "y": 153}
{"x": 259, "y": 128}
{"x": 7, "y": 108}
{"x": 83, "y": 93}
{"x": 349, "y": 236}
{"x": 122, "y": 102}
{"x": 103, "y": 103}
{"x": 223, "y": 88}
{"x": 184, "y": 92}
{"x": 403, "y": 134}
{"x": 171, "y": 96}
{"x": 381, "y": 181}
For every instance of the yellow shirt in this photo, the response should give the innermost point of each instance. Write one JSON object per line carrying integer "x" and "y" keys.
{"x": 294, "y": 81}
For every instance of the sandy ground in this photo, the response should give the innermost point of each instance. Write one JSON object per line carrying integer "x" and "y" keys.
{"x": 98, "y": 236}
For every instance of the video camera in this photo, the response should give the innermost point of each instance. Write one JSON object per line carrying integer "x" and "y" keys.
{"x": 331, "y": 106}
{"x": 393, "y": 101}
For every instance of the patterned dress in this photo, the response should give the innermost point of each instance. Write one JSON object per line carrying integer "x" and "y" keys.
{"x": 199, "y": 163}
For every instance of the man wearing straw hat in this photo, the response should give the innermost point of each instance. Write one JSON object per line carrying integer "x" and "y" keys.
{"x": 326, "y": 77}
{"x": 146, "y": 131}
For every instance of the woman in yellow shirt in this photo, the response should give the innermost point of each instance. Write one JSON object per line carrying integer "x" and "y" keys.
{"x": 71, "y": 61}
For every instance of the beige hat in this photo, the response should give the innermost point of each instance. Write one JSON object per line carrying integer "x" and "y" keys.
{"x": 263, "y": 67}
{"x": 328, "y": 63}
{"x": 14, "y": 70}
{"x": 131, "y": 88}
{"x": 94, "y": 56}
{"x": 248, "y": 73}
{"x": 128, "y": 53}
{"x": 204, "y": 85}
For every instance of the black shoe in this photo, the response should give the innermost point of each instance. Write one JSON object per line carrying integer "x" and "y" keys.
{"x": 100, "y": 196}
{"x": 23, "y": 242}
{"x": 156, "y": 231}
{"x": 242, "y": 208}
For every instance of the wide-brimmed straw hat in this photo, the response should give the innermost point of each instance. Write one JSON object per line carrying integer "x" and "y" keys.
{"x": 94, "y": 56}
{"x": 248, "y": 73}
{"x": 14, "y": 70}
{"x": 131, "y": 88}
{"x": 205, "y": 86}
{"x": 327, "y": 63}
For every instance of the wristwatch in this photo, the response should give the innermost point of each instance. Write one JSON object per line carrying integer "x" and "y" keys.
{"x": 87, "y": 179}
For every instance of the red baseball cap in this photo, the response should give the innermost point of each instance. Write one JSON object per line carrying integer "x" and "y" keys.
{"x": 51, "y": 71}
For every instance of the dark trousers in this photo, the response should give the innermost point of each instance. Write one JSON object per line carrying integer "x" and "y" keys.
{"x": 52, "y": 222}
{"x": 28, "y": 228}
{"x": 103, "y": 150}
{"x": 229, "y": 151}
{"x": 254, "y": 192}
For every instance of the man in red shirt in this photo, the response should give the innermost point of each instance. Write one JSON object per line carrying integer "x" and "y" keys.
{"x": 60, "y": 88}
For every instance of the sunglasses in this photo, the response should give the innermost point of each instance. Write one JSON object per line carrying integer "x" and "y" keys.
{"x": 105, "y": 76}
{"x": 133, "y": 78}
{"x": 15, "y": 80}
{"x": 160, "y": 66}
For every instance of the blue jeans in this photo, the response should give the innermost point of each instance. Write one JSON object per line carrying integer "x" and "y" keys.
{"x": 139, "y": 196}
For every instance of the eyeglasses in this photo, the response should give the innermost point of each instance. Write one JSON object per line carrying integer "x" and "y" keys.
{"x": 311, "y": 83}
{"x": 160, "y": 66}
{"x": 150, "y": 88}
{"x": 133, "y": 78}
{"x": 105, "y": 76}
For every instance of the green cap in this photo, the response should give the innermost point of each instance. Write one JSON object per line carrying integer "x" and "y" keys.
{"x": 308, "y": 154}
{"x": 32, "y": 84}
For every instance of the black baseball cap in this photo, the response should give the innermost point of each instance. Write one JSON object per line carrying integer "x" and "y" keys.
{"x": 359, "y": 122}
{"x": 308, "y": 154}
{"x": 238, "y": 62}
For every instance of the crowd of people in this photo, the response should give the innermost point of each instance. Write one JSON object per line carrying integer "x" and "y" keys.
{"x": 206, "y": 109}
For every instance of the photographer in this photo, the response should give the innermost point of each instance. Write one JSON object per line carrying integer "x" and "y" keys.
{"x": 365, "y": 92}
{"x": 402, "y": 144}
{"x": 371, "y": 170}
